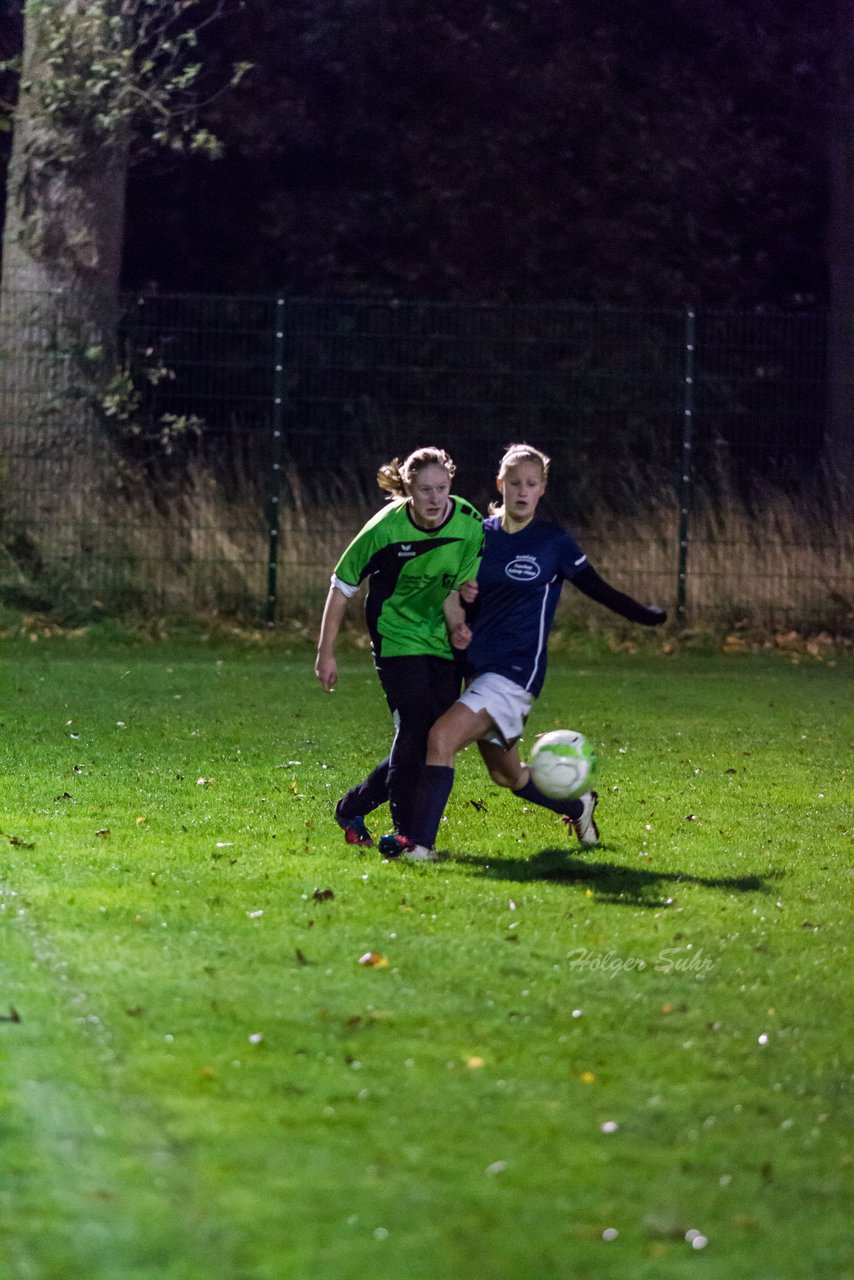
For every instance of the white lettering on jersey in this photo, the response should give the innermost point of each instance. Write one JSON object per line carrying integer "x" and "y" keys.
{"x": 523, "y": 569}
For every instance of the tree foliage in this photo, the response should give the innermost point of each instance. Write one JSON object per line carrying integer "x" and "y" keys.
{"x": 112, "y": 69}
{"x": 531, "y": 150}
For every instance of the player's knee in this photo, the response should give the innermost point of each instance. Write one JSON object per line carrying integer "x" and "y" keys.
{"x": 442, "y": 744}
{"x": 438, "y": 741}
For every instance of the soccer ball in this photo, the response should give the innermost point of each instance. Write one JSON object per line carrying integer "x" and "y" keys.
{"x": 562, "y": 764}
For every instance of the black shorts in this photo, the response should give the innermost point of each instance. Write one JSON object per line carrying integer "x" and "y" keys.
{"x": 419, "y": 689}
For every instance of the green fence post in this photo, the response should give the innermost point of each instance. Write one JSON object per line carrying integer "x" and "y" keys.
{"x": 686, "y": 460}
{"x": 277, "y": 423}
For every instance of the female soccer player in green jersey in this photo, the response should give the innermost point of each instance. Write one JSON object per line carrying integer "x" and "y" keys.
{"x": 415, "y": 554}
{"x": 526, "y": 561}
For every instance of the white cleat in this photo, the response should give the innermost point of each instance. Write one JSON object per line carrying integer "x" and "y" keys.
{"x": 585, "y": 826}
{"x": 420, "y": 853}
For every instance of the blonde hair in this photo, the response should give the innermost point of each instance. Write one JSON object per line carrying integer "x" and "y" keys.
{"x": 512, "y": 456}
{"x": 395, "y": 477}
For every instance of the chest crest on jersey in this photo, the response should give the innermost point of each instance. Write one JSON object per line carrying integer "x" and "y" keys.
{"x": 523, "y": 569}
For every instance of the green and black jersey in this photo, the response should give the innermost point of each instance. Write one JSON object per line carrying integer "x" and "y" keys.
{"x": 410, "y": 571}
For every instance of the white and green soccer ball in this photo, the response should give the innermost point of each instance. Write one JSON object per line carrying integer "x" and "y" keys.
{"x": 562, "y": 764}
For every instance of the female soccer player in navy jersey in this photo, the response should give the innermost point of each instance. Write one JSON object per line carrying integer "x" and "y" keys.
{"x": 415, "y": 554}
{"x": 525, "y": 563}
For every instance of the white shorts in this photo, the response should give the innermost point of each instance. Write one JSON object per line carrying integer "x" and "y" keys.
{"x": 508, "y": 704}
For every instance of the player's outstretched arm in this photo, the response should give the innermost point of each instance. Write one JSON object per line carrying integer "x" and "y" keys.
{"x": 591, "y": 584}
{"x": 325, "y": 666}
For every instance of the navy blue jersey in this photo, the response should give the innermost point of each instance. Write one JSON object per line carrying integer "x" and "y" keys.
{"x": 520, "y": 580}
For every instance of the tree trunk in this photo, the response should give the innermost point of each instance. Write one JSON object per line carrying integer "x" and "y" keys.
{"x": 58, "y": 309}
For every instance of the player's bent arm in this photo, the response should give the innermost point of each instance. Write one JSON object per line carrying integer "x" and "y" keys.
{"x": 455, "y": 614}
{"x": 591, "y": 584}
{"x": 325, "y": 667}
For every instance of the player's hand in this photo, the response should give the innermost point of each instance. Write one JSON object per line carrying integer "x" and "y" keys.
{"x": 655, "y": 616}
{"x": 468, "y": 591}
{"x": 460, "y": 636}
{"x": 326, "y": 670}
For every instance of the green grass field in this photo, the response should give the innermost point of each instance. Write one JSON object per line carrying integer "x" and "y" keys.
{"x": 621, "y": 1064}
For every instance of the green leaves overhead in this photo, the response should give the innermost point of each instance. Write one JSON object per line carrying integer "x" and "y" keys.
{"x": 105, "y": 73}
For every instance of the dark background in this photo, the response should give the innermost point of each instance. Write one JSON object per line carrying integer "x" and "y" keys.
{"x": 640, "y": 152}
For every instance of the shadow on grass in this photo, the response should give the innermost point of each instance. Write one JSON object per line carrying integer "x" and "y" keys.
{"x": 629, "y": 886}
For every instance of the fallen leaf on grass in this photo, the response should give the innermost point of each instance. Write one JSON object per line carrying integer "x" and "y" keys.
{"x": 17, "y": 841}
{"x": 104, "y": 831}
{"x": 11, "y": 1016}
{"x": 323, "y": 895}
{"x": 301, "y": 959}
{"x": 374, "y": 960}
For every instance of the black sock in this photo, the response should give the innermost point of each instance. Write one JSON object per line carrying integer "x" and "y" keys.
{"x": 437, "y": 781}
{"x": 367, "y": 795}
{"x": 569, "y": 808}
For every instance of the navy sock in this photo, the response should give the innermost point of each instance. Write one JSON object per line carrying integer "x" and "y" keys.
{"x": 437, "y": 781}
{"x": 367, "y": 795}
{"x": 570, "y": 808}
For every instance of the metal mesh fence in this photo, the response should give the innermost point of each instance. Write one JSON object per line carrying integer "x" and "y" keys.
{"x": 687, "y": 450}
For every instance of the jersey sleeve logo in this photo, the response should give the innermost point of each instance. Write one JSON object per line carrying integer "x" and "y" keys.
{"x": 523, "y": 569}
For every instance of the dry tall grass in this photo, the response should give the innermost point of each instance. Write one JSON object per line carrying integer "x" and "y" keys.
{"x": 785, "y": 562}
{"x": 788, "y": 562}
